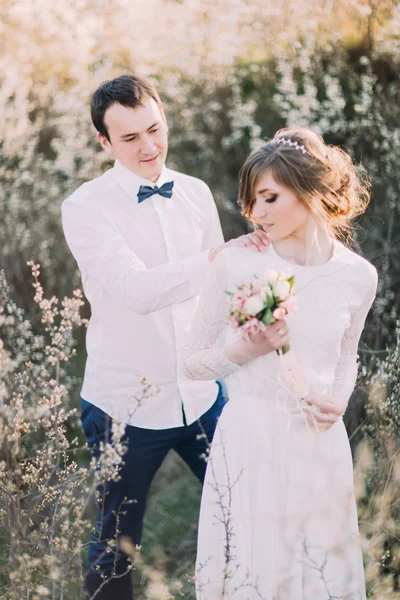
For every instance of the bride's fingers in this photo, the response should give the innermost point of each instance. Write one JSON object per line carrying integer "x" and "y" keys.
{"x": 325, "y": 405}
{"x": 326, "y": 417}
{"x": 313, "y": 414}
{"x": 318, "y": 426}
{"x": 283, "y": 340}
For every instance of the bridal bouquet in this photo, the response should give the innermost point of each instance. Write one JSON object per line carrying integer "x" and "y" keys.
{"x": 260, "y": 302}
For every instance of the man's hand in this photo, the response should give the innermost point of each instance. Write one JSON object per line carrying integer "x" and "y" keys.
{"x": 257, "y": 241}
{"x": 323, "y": 411}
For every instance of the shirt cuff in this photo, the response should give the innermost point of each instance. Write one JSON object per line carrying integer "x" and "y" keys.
{"x": 195, "y": 269}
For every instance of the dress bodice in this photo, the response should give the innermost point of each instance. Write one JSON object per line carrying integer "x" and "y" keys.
{"x": 333, "y": 300}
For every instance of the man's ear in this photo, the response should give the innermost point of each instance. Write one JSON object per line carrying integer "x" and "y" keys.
{"x": 104, "y": 143}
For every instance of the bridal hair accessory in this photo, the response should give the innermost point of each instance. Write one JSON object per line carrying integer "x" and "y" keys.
{"x": 289, "y": 142}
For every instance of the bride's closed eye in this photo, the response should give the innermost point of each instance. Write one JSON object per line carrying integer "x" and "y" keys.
{"x": 271, "y": 198}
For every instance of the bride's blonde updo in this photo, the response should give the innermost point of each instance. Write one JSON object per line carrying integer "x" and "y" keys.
{"x": 323, "y": 177}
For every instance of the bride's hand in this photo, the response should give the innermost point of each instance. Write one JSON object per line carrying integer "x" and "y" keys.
{"x": 323, "y": 411}
{"x": 272, "y": 338}
{"x": 257, "y": 241}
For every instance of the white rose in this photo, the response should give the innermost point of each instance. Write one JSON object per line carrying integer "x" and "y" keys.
{"x": 272, "y": 276}
{"x": 253, "y": 305}
{"x": 282, "y": 289}
{"x": 265, "y": 291}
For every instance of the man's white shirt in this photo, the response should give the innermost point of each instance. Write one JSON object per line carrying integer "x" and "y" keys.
{"x": 142, "y": 267}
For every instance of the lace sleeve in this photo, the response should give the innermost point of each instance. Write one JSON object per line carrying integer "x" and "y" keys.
{"x": 347, "y": 367}
{"x": 203, "y": 358}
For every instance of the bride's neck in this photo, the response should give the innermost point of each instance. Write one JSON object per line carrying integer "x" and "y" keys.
{"x": 310, "y": 246}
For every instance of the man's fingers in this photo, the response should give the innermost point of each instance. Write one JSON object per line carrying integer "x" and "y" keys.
{"x": 244, "y": 241}
{"x": 257, "y": 241}
{"x": 262, "y": 236}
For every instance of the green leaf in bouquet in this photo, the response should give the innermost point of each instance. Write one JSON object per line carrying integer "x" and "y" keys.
{"x": 291, "y": 281}
{"x": 269, "y": 301}
{"x": 228, "y": 293}
{"x": 268, "y": 318}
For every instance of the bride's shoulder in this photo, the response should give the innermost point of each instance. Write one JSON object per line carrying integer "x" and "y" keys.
{"x": 361, "y": 267}
{"x": 238, "y": 263}
{"x": 233, "y": 255}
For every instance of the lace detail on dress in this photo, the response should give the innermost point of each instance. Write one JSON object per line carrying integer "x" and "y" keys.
{"x": 347, "y": 367}
{"x": 203, "y": 358}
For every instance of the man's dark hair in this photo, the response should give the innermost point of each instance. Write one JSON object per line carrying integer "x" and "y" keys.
{"x": 128, "y": 90}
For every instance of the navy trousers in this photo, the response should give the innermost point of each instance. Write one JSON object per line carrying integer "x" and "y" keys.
{"x": 123, "y": 502}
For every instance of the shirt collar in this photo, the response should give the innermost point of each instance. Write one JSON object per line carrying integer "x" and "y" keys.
{"x": 131, "y": 181}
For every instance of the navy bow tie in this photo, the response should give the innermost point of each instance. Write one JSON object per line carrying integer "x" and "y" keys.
{"x": 146, "y": 191}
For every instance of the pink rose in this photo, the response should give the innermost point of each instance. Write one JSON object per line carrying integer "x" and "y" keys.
{"x": 238, "y": 300}
{"x": 279, "y": 313}
{"x": 234, "y": 321}
{"x": 290, "y": 305}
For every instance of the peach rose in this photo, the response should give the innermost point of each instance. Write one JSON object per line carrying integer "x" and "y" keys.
{"x": 234, "y": 321}
{"x": 238, "y": 301}
{"x": 279, "y": 313}
{"x": 290, "y": 305}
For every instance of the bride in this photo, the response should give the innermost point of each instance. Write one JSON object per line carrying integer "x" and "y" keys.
{"x": 278, "y": 515}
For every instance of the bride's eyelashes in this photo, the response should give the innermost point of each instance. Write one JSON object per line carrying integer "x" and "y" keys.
{"x": 271, "y": 198}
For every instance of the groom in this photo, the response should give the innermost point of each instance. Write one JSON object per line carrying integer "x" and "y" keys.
{"x": 143, "y": 236}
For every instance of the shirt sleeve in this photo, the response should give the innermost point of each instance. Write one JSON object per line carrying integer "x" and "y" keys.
{"x": 214, "y": 236}
{"x": 196, "y": 269}
{"x": 103, "y": 255}
{"x": 347, "y": 367}
{"x": 203, "y": 357}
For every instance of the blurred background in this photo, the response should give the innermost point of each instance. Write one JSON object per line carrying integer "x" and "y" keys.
{"x": 230, "y": 73}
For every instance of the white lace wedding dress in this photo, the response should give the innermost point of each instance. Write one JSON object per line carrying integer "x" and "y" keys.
{"x": 278, "y": 517}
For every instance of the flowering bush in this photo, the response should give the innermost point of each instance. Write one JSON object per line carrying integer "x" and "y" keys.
{"x": 45, "y": 487}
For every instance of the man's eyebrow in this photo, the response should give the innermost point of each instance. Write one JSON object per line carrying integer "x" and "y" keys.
{"x": 127, "y": 135}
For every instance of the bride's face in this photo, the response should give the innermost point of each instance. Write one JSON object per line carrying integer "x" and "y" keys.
{"x": 277, "y": 209}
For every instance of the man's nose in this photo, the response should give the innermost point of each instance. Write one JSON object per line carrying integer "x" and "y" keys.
{"x": 147, "y": 146}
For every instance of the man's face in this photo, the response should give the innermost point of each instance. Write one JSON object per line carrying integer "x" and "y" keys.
{"x": 138, "y": 137}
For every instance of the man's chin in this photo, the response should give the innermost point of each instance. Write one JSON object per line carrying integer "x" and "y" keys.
{"x": 151, "y": 171}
